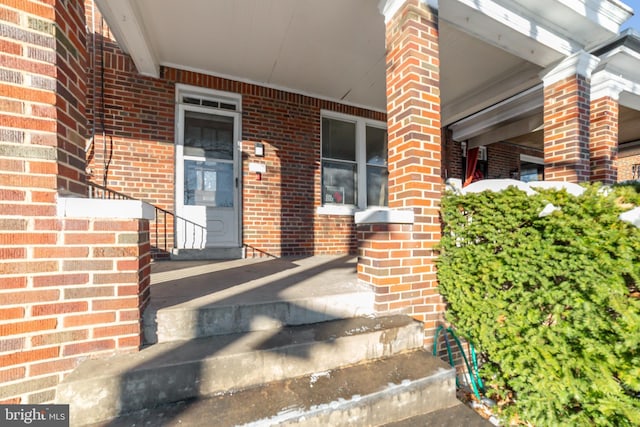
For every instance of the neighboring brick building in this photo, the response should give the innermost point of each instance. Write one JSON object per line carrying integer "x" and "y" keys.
{"x": 629, "y": 162}
{"x": 302, "y": 123}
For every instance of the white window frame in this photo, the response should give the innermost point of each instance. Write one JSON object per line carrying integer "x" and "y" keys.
{"x": 482, "y": 154}
{"x": 531, "y": 159}
{"x": 361, "y": 162}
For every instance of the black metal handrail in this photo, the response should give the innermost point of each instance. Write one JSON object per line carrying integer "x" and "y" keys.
{"x": 159, "y": 248}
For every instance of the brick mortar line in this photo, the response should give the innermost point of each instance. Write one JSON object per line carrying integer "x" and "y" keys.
{"x": 90, "y": 328}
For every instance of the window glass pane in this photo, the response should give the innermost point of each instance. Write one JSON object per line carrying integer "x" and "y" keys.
{"x": 188, "y": 100}
{"x": 377, "y": 146}
{"x": 377, "y": 183}
{"x": 208, "y": 135}
{"x": 338, "y": 183}
{"x": 208, "y": 103}
{"x": 208, "y": 183}
{"x": 338, "y": 139}
{"x": 531, "y": 172}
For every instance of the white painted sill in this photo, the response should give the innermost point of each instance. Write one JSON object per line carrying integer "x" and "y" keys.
{"x": 377, "y": 215}
{"x": 385, "y": 216}
{"x": 337, "y": 210}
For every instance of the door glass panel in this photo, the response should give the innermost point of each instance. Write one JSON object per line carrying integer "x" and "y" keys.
{"x": 208, "y": 183}
{"x": 208, "y": 135}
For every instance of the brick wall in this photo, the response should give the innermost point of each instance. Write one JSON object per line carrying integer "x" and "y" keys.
{"x": 70, "y": 288}
{"x": 80, "y": 295}
{"x": 132, "y": 122}
{"x": 504, "y": 158}
{"x": 71, "y": 65}
{"x": 626, "y": 160}
{"x": 452, "y": 156}
{"x": 279, "y": 212}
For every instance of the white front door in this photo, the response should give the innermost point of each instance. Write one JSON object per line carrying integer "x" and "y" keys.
{"x": 207, "y": 179}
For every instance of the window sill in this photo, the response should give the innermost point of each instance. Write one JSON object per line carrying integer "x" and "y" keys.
{"x": 337, "y": 210}
{"x": 385, "y": 216}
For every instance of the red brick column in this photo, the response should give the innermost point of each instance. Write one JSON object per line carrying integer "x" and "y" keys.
{"x": 396, "y": 257}
{"x": 566, "y": 119}
{"x": 603, "y": 144}
{"x": 71, "y": 287}
{"x": 605, "y": 93}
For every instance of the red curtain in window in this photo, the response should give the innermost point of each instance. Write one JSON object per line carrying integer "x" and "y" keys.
{"x": 472, "y": 163}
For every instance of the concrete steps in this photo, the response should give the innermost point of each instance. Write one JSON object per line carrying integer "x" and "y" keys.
{"x": 175, "y": 371}
{"x": 188, "y": 322}
{"x": 457, "y": 415}
{"x": 264, "y": 342}
{"x": 367, "y": 394}
{"x": 249, "y": 295}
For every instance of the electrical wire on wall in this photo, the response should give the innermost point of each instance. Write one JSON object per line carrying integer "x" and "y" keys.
{"x": 90, "y": 146}
{"x": 107, "y": 146}
{"x": 99, "y": 114}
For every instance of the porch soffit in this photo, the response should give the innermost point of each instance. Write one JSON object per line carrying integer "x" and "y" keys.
{"x": 619, "y": 70}
{"x": 332, "y": 49}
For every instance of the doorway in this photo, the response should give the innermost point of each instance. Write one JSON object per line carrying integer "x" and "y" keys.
{"x": 207, "y": 172}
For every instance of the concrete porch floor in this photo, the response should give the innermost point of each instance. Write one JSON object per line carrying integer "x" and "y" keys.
{"x": 193, "y": 284}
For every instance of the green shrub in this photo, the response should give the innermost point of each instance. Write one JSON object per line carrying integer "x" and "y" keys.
{"x": 552, "y": 303}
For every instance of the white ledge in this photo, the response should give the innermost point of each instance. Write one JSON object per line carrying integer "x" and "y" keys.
{"x": 388, "y": 8}
{"x": 580, "y": 63}
{"x": 336, "y": 210}
{"x": 384, "y": 216}
{"x": 76, "y": 207}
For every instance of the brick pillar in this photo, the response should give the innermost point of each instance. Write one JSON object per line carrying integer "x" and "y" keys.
{"x": 603, "y": 144}
{"x": 605, "y": 94}
{"x": 71, "y": 286}
{"x": 566, "y": 119}
{"x": 397, "y": 250}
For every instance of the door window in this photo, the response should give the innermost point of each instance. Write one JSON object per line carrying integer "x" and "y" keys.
{"x": 208, "y": 183}
{"x": 208, "y": 135}
{"x": 208, "y": 160}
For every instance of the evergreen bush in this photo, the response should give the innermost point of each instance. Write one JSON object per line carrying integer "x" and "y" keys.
{"x": 551, "y": 302}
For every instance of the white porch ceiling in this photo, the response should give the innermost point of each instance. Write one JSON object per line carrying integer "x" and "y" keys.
{"x": 335, "y": 49}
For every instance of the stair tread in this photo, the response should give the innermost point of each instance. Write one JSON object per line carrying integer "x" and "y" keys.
{"x": 282, "y": 400}
{"x": 179, "y": 352}
{"x": 458, "y": 415}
